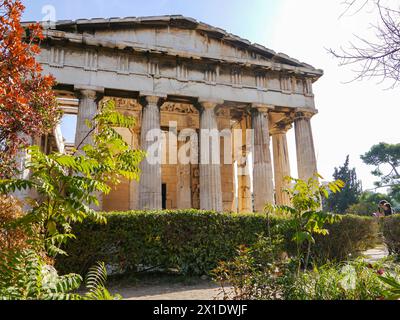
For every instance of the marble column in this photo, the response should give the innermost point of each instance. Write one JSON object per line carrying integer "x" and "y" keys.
{"x": 281, "y": 163}
{"x": 245, "y": 200}
{"x": 263, "y": 185}
{"x": 306, "y": 159}
{"x": 133, "y": 184}
{"x": 210, "y": 168}
{"x": 184, "y": 183}
{"x": 150, "y": 185}
{"x": 86, "y": 112}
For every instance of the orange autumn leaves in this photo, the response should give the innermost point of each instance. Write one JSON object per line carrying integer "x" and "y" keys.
{"x": 27, "y": 103}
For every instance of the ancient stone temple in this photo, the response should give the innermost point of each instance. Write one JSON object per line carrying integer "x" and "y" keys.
{"x": 184, "y": 77}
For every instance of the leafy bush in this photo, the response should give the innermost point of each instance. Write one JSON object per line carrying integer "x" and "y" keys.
{"x": 66, "y": 188}
{"x": 306, "y": 216}
{"x": 346, "y": 238}
{"x": 255, "y": 274}
{"x": 391, "y": 232}
{"x": 354, "y": 280}
{"x": 193, "y": 242}
{"x": 11, "y": 237}
{"x": 25, "y": 276}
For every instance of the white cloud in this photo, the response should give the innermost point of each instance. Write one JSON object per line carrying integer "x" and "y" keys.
{"x": 353, "y": 116}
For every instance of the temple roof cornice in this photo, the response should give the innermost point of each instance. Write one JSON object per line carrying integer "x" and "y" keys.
{"x": 89, "y": 40}
{"x": 80, "y": 31}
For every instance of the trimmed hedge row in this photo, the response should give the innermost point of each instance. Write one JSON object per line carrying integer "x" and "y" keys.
{"x": 193, "y": 242}
{"x": 391, "y": 233}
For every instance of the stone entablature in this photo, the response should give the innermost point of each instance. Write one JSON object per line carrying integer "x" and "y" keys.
{"x": 148, "y": 57}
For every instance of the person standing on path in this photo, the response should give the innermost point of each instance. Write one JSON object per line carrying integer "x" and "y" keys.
{"x": 385, "y": 208}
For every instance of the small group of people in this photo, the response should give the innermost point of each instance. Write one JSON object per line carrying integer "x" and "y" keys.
{"x": 384, "y": 209}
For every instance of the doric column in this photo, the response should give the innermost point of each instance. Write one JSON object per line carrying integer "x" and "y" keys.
{"x": 306, "y": 159}
{"x": 245, "y": 201}
{"x": 133, "y": 184}
{"x": 184, "y": 188}
{"x": 281, "y": 162}
{"x": 87, "y": 111}
{"x": 150, "y": 185}
{"x": 263, "y": 185}
{"x": 210, "y": 169}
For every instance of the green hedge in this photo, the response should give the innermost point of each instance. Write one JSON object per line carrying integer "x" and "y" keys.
{"x": 391, "y": 233}
{"x": 349, "y": 237}
{"x": 192, "y": 242}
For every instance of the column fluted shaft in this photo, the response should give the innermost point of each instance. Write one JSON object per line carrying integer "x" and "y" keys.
{"x": 150, "y": 185}
{"x": 210, "y": 172}
{"x": 282, "y": 166}
{"x": 86, "y": 112}
{"x": 306, "y": 159}
{"x": 263, "y": 186}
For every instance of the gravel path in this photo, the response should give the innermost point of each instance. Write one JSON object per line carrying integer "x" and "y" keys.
{"x": 163, "y": 289}
{"x": 171, "y": 292}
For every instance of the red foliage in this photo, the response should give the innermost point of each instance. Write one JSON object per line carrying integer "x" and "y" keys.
{"x": 27, "y": 103}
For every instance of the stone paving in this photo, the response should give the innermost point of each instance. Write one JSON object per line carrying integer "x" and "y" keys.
{"x": 376, "y": 254}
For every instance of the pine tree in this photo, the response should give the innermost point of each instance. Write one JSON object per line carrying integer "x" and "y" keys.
{"x": 350, "y": 194}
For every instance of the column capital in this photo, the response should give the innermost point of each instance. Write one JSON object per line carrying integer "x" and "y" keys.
{"x": 281, "y": 128}
{"x": 89, "y": 91}
{"x": 304, "y": 113}
{"x": 210, "y": 103}
{"x": 90, "y": 94}
{"x": 152, "y": 98}
{"x": 262, "y": 108}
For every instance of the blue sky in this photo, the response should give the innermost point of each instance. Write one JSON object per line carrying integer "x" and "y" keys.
{"x": 347, "y": 123}
{"x": 250, "y": 19}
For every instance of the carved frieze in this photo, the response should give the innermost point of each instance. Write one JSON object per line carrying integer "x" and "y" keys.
{"x": 286, "y": 84}
{"x": 211, "y": 74}
{"x": 57, "y": 57}
{"x": 182, "y": 108}
{"x": 123, "y": 63}
{"x": 261, "y": 81}
{"x": 153, "y": 68}
{"x": 182, "y": 71}
{"x": 236, "y": 76}
{"x": 91, "y": 60}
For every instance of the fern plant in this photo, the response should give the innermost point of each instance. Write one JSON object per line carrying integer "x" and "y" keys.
{"x": 25, "y": 276}
{"x": 96, "y": 284}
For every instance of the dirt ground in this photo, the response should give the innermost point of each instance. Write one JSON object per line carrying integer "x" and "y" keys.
{"x": 162, "y": 287}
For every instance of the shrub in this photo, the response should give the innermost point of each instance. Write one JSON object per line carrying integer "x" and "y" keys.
{"x": 255, "y": 273}
{"x": 354, "y": 280}
{"x": 348, "y": 237}
{"x": 193, "y": 242}
{"x": 11, "y": 237}
{"x": 391, "y": 232}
